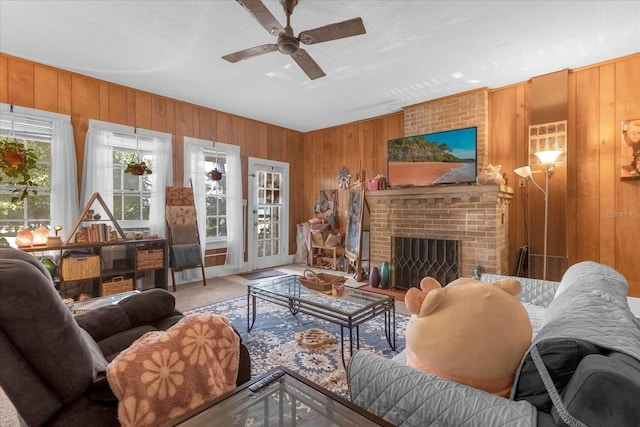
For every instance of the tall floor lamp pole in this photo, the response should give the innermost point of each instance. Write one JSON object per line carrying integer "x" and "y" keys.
{"x": 547, "y": 158}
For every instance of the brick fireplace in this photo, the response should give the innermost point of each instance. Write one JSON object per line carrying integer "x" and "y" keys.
{"x": 476, "y": 216}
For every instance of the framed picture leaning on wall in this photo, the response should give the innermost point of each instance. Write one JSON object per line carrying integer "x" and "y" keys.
{"x": 630, "y": 149}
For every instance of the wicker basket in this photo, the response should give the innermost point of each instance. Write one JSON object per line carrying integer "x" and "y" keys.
{"x": 80, "y": 268}
{"x": 116, "y": 285}
{"x": 147, "y": 259}
{"x": 320, "y": 281}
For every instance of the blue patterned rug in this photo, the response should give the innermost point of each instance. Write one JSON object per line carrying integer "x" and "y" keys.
{"x": 272, "y": 341}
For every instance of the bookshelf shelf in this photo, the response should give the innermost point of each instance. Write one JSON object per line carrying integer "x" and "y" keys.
{"x": 103, "y": 259}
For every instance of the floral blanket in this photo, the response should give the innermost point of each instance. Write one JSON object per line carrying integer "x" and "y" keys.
{"x": 165, "y": 374}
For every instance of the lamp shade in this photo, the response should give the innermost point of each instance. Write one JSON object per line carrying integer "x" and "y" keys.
{"x": 548, "y": 157}
{"x": 524, "y": 172}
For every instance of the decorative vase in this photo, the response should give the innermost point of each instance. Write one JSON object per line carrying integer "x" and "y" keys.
{"x": 385, "y": 271}
{"x": 374, "y": 277}
{"x": 49, "y": 265}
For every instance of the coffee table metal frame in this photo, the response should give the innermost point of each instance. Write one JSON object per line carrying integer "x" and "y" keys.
{"x": 291, "y": 392}
{"x": 288, "y": 292}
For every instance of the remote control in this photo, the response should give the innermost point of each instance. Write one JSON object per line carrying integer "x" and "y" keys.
{"x": 266, "y": 381}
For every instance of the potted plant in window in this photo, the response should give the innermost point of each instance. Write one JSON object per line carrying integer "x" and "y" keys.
{"x": 17, "y": 162}
{"x": 215, "y": 174}
{"x": 137, "y": 168}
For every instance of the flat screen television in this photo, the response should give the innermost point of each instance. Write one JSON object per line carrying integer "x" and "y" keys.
{"x": 448, "y": 157}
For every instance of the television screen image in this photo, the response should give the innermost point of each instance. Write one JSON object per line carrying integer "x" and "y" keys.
{"x": 448, "y": 157}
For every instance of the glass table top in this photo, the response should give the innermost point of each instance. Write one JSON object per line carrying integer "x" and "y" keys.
{"x": 289, "y": 400}
{"x": 351, "y": 301}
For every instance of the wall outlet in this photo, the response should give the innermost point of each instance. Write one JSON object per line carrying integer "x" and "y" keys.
{"x": 521, "y": 182}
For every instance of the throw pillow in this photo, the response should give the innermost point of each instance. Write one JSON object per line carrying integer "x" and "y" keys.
{"x": 165, "y": 374}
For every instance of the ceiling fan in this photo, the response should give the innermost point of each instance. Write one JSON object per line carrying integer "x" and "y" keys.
{"x": 287, "y": 43}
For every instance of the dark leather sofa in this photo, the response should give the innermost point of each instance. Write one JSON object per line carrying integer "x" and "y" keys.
{"x": 52, "y": 363}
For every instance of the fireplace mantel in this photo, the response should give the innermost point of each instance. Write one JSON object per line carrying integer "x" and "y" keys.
{"x": 448, "y": 191}
{"x": 476, "y": 215}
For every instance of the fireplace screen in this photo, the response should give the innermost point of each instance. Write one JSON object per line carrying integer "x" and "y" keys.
{"x": 414, "y": 258}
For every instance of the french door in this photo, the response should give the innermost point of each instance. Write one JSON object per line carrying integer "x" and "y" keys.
{"x": 268, "y": 208}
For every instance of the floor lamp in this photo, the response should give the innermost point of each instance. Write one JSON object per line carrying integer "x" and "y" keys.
{"x": 547, "y": 158}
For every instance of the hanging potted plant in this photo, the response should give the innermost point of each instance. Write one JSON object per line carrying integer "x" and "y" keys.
{"x": 137, "y": 168}
{"x": 215, "y": 174}
{"x": 17, "y": 162}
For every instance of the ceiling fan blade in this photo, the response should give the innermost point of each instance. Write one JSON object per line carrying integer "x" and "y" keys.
{"x": 339, "y": 30}
{"x": 261, "y": 14}
{"x": 251, "y": 52}
{"x": 308, "y": 65}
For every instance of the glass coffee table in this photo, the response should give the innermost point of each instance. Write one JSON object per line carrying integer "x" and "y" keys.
{"x": 93, "y": 303}
{"x": 348, "y": 311}
{"x": 279, "y": 398}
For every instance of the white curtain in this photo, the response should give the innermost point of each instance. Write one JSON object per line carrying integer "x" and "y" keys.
{"x": 162, "y": 175}
{"x": 97, "y": 176}
{"x": 64, "y": 182}
{"x": 194, "y": 175}
{"x": 235, "y": 226}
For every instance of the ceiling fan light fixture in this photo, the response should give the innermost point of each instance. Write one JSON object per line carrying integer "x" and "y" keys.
{"x": 287, "y": 44}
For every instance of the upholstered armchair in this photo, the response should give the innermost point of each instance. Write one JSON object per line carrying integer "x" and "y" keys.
{"x": 53, "y": 363}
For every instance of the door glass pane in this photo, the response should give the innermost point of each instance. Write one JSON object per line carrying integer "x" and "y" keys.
{"x": 268, "y": 213}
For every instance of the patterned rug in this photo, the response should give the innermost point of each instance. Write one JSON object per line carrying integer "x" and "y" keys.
{"x": 272, "y": 341}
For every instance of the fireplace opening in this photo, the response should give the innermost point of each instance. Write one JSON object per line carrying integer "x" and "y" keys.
{"x": 415, "y": 258}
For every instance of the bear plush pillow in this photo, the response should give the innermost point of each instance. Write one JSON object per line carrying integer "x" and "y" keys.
{"x": 165, "y": 374}
{"x": 471, "y": 332}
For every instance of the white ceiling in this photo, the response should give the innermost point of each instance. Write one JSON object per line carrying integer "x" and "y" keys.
{"x": 413, "y": 51}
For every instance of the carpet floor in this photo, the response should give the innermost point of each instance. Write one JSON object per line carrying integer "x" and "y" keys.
{"x": 272, "y": 341}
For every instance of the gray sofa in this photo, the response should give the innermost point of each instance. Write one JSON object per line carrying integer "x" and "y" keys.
{"x": 589, "y": 345}
{"x": 52, "y": 363}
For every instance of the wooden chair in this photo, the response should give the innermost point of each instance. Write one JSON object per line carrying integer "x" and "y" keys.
{"x": 185, "y": 251}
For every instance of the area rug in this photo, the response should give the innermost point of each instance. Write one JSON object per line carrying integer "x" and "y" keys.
{"x": 272, "y": 341}
{"x": 262, "y": 274}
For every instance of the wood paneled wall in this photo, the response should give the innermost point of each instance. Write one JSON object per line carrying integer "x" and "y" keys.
{"x": 38, "y": 86}
{"x": 595, "y": 215}
{"x": 361, "y": 147}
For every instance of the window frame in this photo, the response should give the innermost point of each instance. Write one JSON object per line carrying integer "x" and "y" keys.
{"x": 62, "y": 189}
{"x": 98, "y": 171}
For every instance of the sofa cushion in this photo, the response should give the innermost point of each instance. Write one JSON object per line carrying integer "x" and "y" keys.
{"x": 604, "y": 391}
{"x": 103, "y": 322}
{"x": 148, "y": 307}
{"x": 114, "y": 344}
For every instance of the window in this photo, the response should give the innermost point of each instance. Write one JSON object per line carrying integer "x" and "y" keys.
{"x": 55, "y": 203}
{"x": 216, "y": 198}
{"x": 131, "y": 193}
{"x": 137, "y": 202}
{"x": 219, "y": 205}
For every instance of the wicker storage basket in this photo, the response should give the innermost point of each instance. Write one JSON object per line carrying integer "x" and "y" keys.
{"x": 149, "y": 258}
{"x": 80, "y": 268}
{"x": 320, "y": 281}
{"x": 116, "y": 285}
